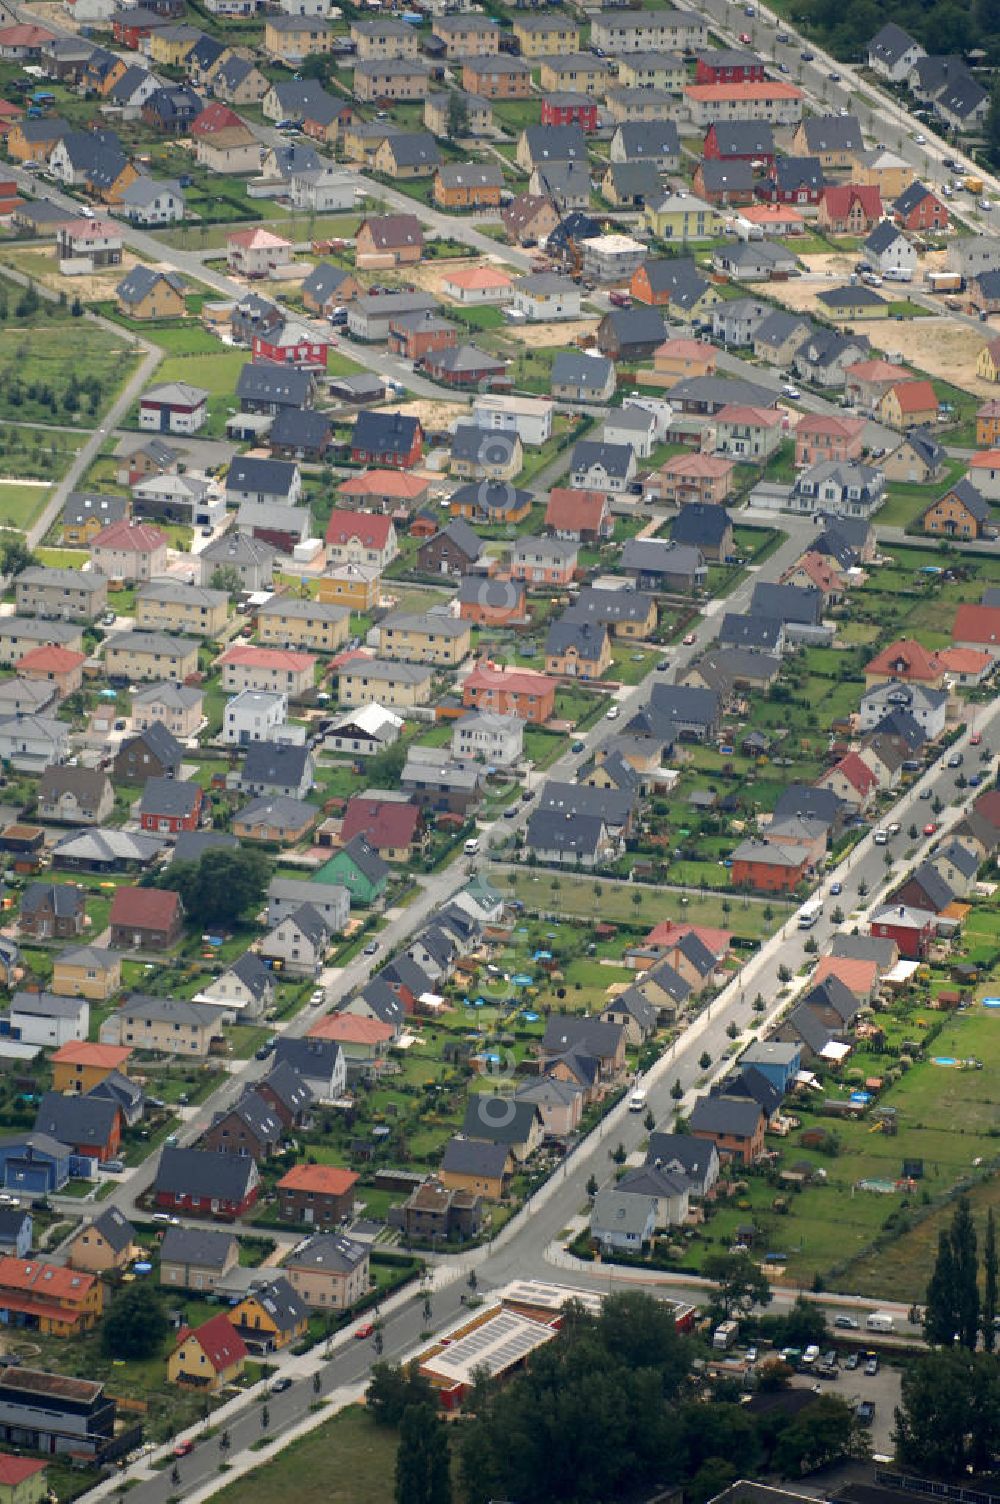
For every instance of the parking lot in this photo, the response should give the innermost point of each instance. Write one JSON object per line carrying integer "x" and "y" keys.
{"x": 882, "y": 1390}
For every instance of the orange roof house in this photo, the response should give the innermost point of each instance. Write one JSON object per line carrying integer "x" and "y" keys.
{"x": 55, "y": 1300}
{"x": 684, "y": 357}
{"x": 79, "y": 1065}
{"x": 584, "y": 516}
{"x": 477, "y": 284}
{"x": 522, "y": 692}
{"x": 909, "y": 403}
{"x": 966, "y": 665}
{"x": 695, "y": 477}
{"x": 319, "y": 1195}
{"x": 821, "y": 436}
{"x": 779, "y": 218}
{"x": 14, "y": 1474}
{"x": 359, "y": 1038}
{"x": 852, "y": 780}
{"x": 906, "y": 661}
{"x": 861, "y": 977}
{"x": 386, "y": 486}
{"x": 53, "y": 665}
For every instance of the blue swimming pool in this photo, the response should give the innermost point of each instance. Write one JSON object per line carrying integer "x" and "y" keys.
{"x": 944, "y": 1060}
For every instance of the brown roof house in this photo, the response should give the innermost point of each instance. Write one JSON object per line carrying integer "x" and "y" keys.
{"x": 146, "y": 919}
{"x": 52, "y": 911}
{"x": 75, "y": 796}
{"x": 387, "y": 241}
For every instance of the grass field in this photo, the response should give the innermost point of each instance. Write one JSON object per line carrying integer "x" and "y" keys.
{"x": 576, "y": 897}
{"x": 348, "y": 1460}
{"x": 21, "y": 504}
{"x": 65, "y": 370}
{"x": 297, "y": 227}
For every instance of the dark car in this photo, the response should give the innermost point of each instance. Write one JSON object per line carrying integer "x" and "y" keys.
{"x": 871, "y": 1367}
{"x": 846, "y": 1323}
{"x": 807, "y": 57}
{"x": 851, "y": 1362}
{"x": 865, "y": 1412}
{"x": 280, "y": 1385}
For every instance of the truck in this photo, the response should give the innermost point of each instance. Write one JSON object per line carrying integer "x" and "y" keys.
{"x": 809, "y": 913}
{"x": 879, "y": 1321}
{"x": 944, "y": 281}
{"x": 972, "y": 184}
{"x": 725, "y": 1335}
{"x": 898, "y": 274}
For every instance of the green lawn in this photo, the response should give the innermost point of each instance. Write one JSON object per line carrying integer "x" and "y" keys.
{"x": 20, "y": 504}
{"x": 347, "y": 1460}
{"x": 617, "y": 902}
{"x": 297, "y": 227}
{"x": 60, "y": 370}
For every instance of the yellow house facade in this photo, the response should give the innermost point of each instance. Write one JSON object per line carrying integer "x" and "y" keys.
{"x": 398, "y": 686}
{"x": 678, "y": 218}
{"x": 209, "y": 1357}
{"x": 291, "y": 38}
{"x": 988, "y": 361}
{"x": 424, "y": 639}
{"x": 171, "y": 44}
{"x": 98, "y": 1249}
{"x": 150, "y": 655}
{"x": 547, "y": 36}
{"x": 286, "y": 622}
{"x": 355, "y": 586}
{"x": 193, "y": 610}
{"x": 88, "y": 972}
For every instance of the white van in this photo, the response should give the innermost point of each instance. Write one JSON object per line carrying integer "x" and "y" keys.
{"x": 879, "y": 1321}
{"x": 471, "y": 846}
{"x": 881, "y": 838}
{"x": 637, "y": 1100}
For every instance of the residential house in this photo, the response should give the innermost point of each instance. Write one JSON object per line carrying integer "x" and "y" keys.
{"x": 75, "y": 796}
{"x": 961, "y": 512}
{"x": 47, "y": 1018}
{"x": 735, "y": 1125}
{"x": 129, "y": 551}
{"x": 52, "y": 911}
{"x": 224, "y": 1186}
{"x": 908, "y": 404}
{"x": 60, "y": 594}
{"x": 403, "y": 685}
{"x": 849, "y": 208}
{"x": 148, "y": 919}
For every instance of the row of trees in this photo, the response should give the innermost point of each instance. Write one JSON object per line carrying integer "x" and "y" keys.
{"x": 956, "y": 1314}
{"x": 948, "y": 1419}
{"x": 603, "y": 1410}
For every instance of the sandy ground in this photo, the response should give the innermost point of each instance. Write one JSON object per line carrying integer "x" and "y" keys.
{"x": 429, "y": 275}
{"x": 545, "y": 336}
{"x": 942, "y": 346}
{"x": 432, "y": 414}
{"x": 101, "y": 285}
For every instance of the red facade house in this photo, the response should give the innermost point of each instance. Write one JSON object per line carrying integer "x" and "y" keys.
{"x": 725, "y": 67}
{"x": 739, "y": 141}
{"x": 206, "y": 1183}
{"x": 571, "y": 109}
{"x": 170, "y": 806}
{"x": 132, "y": 28}
{"x": 387, "y": 439}
{"x": 292, "y": 344}
{"x": 912, "y": 929}
{"x": 768, "y": 867}
{"x": 919, "y": 208}
{"x": 92, "y": 1126}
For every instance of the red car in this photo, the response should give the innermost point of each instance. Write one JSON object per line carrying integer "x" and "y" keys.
{"x": 930, "y": 827}
{"x": 975, "y": 739}
{"x": 365, "y": 1331}
{"x": 183, "y": 1448}
{"x": 689, "y": 639}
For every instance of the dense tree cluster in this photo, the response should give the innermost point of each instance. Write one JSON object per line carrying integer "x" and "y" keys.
{"x": 135, "y": 1325}
{"x": 608, "y": 1407}
{"x": 941, "y": 26}
{"x": 220, "y": 887}
{"x": 948, "y": 1419}
{"x": 955, "y": 1315}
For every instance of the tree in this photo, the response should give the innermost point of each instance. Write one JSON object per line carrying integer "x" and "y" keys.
{"x": 458, "y": 116}
{"x": 385, "y": 769}
{"x": 226, "y": 577}
{"x": 221, "y": 885}
{"x": 963, "y": 1252}
{"x": 990, "y": 1283}
{"x": 394, "y": 1389}
{"x": 677, "y": 1090}
{"x": 423, "y": 1474}
{"x": 741, "y": 1285}
{"x": 704, "y": 1060}
{"x": 136, "y": 1324}
{"x": 946, "y": 1420}
{"x": 941, "y": 1309}
{"x": 822, "y": 1434}
{"x": 15, "y": 557}
{"x": 265, "y": 1418}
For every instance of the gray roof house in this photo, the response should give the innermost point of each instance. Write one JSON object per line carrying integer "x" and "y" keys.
{"x": 277, "y": 768}
{"x": 579, "y": 377}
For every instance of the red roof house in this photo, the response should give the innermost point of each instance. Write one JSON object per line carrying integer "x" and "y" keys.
{"x": 361, "y": 537}
{"x": 208, "y": 1356}
{"x": 53, "y": 665}
{"x": 145, "y": 919}
{"x": 850, "y": 208}
{"x": 215, "y": 117}
{"x": 907, "y": 661}
{"x": 15, "y": 1471}
{"x": 977, "y": 627}
{"x": 852, "y": 780}
{"x": 583, "y": 516}
{"x": 391, "y": 826}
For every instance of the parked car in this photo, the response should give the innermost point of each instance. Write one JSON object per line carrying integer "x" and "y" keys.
{"x": 851, "y": 1362}
{"x": 362, "y": 1332}
{"x": 371, "y": 948}
{"x": 847, "y": 1324}
{"x": 280, "y": 1385}
{"x": 871, "y": 1366}
{"x": 865, "y": 1412}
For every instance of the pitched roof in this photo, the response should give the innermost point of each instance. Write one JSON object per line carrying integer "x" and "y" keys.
{"x": 203, "y": 1172}
{"x": 736, "y": 1117}
{"x": 907, "y": 659}
{"x": 464, "y": 1156}
{"x": 218, "y": 1339}
{"x": 145, "y": 908}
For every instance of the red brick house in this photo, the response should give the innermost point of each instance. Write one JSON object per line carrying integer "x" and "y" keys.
{"x": 205, "y": 1183}
{"x": 912, "y": 929}
{"x": 92, "y": 1126}
{"x": 250, "y": 1126}
{"x": 739, "y": 141}
{"x": 415, "y": 335}
{"x": 292, "y": 345}
{"x": 169, "y": 806}
{"x": 520, "y": 692}
{"x": 317, "y": 1195}
{"x": 729, "y": 67}
{"x": 145, "y": 919}
{"x": 735, "y": 1125}
{"x": 130, "y": 29}
{"x": 466, "y": 366}
{"x": 768, "y": 867}
{"x": 387, "y": 439}
{"x": 919, "y": 208}
{"x": 571, "y": 109}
